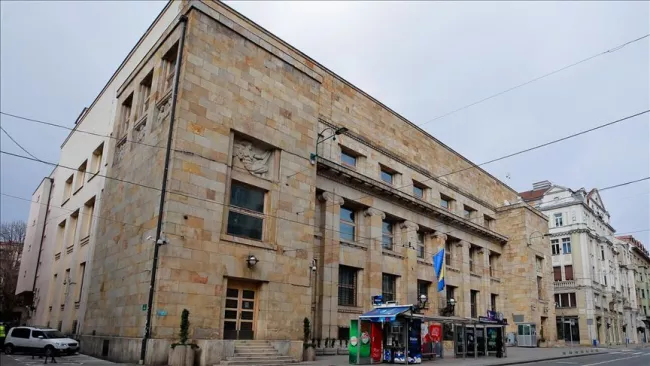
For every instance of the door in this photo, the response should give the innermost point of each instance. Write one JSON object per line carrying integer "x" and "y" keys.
{"x": 20, "y": 338}
{"x": 34, "y": 341}
{"x": 239, "y": 313}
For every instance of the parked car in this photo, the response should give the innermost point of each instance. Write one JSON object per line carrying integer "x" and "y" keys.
{"x": 43, "y": 340}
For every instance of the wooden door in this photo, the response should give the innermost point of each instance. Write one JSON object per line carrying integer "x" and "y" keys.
{"x": 239, "y": 312}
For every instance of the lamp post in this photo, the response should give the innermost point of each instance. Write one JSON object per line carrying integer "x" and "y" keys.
{"x": 321, "y": 138}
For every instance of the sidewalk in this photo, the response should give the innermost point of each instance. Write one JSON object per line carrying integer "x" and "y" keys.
{"x": 516, "y": 355}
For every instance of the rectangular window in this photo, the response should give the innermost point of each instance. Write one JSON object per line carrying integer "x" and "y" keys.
{"x": 605, "y": 279}
{"x": 347, "y": 226}
{"x": 89, "y": 211}
{"x": 145, "y": 94}
{"x": 388, "y": 287}
{"x": 420, "y": 238}
{"x": 642, "y": 293}
{"x": 540, "y": 288}
{"x": 66, "y": 285}
{"x": 67, "y": 190}
{"x": 568, "y": 273}
{"x": 72, "y": 230}
{"x": 347, "y": 286}
{"x": 468, "y": 212}
{"x": 539, "y": 264}
{"x": 558, "y": 219}
{"x": 492, "y": 263}
{"x": 387, "y": 176}
{"x": 60, "y": 236}
{"x": 96, "y": 160}
{"x": 125, "y": 115}
{"x": 169, "y": 68}
{"x": 446, "y": 202}
{"x": 451, "y": 293}
{"x": 557, "y": 273}
{"x": 387, "y": 234}
{"x": 81, "y": 175}
{"x": 566, "y": 245}
{"x": 488, "y": 221}
{"x": 602, "y": 253}
{"x": 566, "y": 300}
{"x": 423, "y": 288}
{"x": 493, "y": 301}
{"x": 473, "y": 298}
{"x": 555, "y": 246}
{"x": 246, "y": 215}
{"x": 80, "y": 285}
{"x": 348, "y": 159}
{"x": 418, "y": 191}
{"x": 448, "y": 249}
{"x": 472, "y": 254}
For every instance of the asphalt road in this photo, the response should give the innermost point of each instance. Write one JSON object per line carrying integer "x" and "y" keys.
{"x": 76, "y": 360}
{"x": 623, "y": 357}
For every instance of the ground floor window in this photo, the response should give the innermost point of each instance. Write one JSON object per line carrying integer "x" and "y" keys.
{"x": 567, "y": 328}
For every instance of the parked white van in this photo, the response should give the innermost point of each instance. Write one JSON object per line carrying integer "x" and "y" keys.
{"x": 43, "y": 340}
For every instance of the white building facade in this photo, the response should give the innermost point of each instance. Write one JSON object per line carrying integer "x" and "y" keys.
{"x": 63, "y": 216}
{"x": 595, "y": 295}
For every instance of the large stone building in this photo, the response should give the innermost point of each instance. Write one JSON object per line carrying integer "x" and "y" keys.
{"x": 593, "y": 279}
{"x": 640, "y": 264}
{"x": 289, "y": 194}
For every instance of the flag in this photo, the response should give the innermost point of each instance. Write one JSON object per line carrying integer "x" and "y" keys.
{"x": 439, "y": 268}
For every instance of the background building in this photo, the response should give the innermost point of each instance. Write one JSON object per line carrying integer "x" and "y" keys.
{"x": 590, "y": 270}
{"x": 640, "y": 265}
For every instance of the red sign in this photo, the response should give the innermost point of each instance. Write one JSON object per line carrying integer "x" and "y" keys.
{"x": 435, "y": 332}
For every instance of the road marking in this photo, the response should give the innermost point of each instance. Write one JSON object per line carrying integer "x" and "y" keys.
{"x": 567, "y": 362}
{"x": 608, "y": 361}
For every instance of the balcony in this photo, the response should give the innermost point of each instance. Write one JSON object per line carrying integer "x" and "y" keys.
{"x": 564, "y": 284}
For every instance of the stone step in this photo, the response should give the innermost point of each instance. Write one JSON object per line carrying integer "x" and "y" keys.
{"x": 258, "y": 354}
{"x": 259, "y": 358}
{"x": 257, "y": 346}
{"x": 257, "y": 361}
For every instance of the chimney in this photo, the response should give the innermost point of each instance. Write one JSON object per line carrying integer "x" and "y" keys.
{"x": 542, "y": 185}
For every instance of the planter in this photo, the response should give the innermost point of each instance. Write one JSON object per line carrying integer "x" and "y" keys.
{"x": 182, "y": 355}
{"x": 309, "y": 353}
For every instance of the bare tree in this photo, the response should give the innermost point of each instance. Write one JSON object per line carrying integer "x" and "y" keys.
{"x": 13, "y": 232}
{"x": 12, "y": 237}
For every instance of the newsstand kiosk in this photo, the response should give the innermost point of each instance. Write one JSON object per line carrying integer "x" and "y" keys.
{"x": 390, "y": 333}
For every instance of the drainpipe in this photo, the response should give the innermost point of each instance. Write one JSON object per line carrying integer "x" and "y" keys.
{"x": 172, "y": 116}
{"x": 40, "y": 246}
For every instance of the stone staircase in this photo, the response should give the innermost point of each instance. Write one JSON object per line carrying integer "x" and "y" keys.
{"x": 258, "y": 353}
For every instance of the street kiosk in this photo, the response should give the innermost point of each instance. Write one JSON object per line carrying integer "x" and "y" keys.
{"x": 390, "y": 333}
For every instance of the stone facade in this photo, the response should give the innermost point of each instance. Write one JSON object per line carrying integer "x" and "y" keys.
{"x": 639, "y": 265}
{"x": 368, "y": 212}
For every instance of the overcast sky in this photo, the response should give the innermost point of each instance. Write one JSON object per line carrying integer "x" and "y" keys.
{"x": 422, "y": 59}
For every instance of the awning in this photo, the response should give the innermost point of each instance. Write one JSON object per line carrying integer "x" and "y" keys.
{"x": 384, "y": 314}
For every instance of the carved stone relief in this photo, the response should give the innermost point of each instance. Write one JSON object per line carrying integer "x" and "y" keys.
{"x": 255, "y": 159}
{"x": 163, "y": 110}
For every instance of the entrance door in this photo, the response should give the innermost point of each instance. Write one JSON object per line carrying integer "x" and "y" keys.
{"x": 239, "y": 313}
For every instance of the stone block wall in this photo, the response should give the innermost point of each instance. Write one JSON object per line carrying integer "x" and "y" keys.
{"x": 527, "y": 231}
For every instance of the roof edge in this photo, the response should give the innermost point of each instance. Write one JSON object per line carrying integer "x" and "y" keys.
{"x": 371, "y": 98}
{"x": 119, "y": 68}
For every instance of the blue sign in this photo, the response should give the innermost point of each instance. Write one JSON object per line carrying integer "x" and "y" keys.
{"x": 162, "y": 312}
{"x": 377, "y": 300}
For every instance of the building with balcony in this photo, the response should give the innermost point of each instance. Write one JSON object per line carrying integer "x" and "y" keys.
{"x": 287, "y": 193}
{"x": 640, "y": 267}
{"x": 593, "y": 282}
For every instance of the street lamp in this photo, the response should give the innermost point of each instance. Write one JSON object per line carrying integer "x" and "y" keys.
{"x": 335, "y": 132}
{"x": 449, "y": 309}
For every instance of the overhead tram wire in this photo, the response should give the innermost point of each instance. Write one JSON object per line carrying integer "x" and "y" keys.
{"x": 17, "y": 144}
{"x": 472, "y": 166}
{"x": 611, "y": 50}
{"x": 605, "y": 188}
{"x": 195, "y": 197}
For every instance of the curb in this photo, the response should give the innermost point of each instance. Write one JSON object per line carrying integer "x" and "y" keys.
{"x": 548, "y": 359}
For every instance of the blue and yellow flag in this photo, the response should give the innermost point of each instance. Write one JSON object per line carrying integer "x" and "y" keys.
{"x": 439, "y": 268}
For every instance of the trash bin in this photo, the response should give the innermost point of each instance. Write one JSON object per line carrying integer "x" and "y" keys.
{"x": 595, "y": 342}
